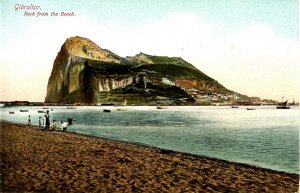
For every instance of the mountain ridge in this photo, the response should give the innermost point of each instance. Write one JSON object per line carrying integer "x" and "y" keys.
{"x": 83, "y": 72}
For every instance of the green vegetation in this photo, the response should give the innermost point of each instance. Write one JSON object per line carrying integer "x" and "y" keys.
{"x": 167, "y": 91}
{"x": 167, "y": 60}
{"x": 108, "y": 67}
{"x": 175, "y": 71}
{"x": 168, "y": 67}
{"x": 152, "y": 91}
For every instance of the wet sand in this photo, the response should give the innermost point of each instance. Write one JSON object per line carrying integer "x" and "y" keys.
{"x": 33, "y": 160}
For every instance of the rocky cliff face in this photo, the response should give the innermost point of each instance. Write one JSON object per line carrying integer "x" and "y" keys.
{"x": 85, "y": 73}
{"x": 66, "y": 76}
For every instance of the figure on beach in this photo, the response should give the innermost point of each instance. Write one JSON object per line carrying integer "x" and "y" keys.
{"x": 29, "y": 120}
{"x": 53, "y": 125}
{"x": 63, "y": 126}
{"x": 47, "y": 116}
{"x": 70, "y": 121}
{"x": 40, "y": 121}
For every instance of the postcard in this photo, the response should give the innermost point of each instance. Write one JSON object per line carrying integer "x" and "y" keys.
{"x": 149, "y": 96}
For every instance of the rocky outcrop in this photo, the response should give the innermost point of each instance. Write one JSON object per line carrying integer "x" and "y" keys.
{"x": 85, "y": 73}
{"x": 108, "y": 84}
{"x": 69, "y": 65}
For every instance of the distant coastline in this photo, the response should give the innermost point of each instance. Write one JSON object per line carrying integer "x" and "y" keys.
{"x": 29, "y": 103}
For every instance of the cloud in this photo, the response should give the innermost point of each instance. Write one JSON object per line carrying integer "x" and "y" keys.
{"x": 262, "y": 40}
{"x": 28, "y": 58}
{"x": 253, "y": 60}
{"x": 177, "y": 32}
{"x": 170, "y": 36}
{"x": 258, "y": 62}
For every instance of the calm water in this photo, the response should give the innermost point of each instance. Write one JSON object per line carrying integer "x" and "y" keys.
{"x": 266, "y": 137}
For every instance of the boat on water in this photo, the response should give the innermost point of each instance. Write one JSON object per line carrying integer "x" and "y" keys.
{"x": 22, "y": 110}
{"x": 251, "y": 109}
{"x": 107, "y": 104}
{"x": 41, "y": 112}
{"x": 234, "y": 107}
{"x": 122, "y": 108}
{"x": 283, "y": 105}
{"x": 45, "y": 107}
{"x": 106, "y": 110}
{"x": 161, "y": 107}
{"x": 71, "y": 107}
{"x": 11, "y": 112}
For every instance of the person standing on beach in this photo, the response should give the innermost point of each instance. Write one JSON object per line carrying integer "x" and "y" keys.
{"x": 29, "y": 120}
{"x": 47, "y": 116}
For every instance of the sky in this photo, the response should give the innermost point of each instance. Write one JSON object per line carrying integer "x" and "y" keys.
{"x": 249, "y": 46}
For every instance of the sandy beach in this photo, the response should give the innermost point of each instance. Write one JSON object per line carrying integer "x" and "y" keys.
{"x": 33, "y": 160}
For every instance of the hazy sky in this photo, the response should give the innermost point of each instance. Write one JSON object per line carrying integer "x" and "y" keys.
{"x": 250, "y": 46}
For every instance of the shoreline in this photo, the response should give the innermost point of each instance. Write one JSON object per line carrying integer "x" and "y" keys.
{"x": 121, "y": 165}
{"x": 7, "y": 104}
{"x": 167, "y": 151}
{"x": 164, "y": 151}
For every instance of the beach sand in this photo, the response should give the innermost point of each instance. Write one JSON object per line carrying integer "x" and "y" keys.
{"x": 33, "y": 160}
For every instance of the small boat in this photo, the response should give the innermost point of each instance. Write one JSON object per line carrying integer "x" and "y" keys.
{"x": 234, "y": 107}
{"x": 41, "y": 112}
{"x": 283, "y": 105}
{"x": 45, "y": 107}
{"x": 71, "y": 108}
{"x": 161, "y": 107}
{"x": 11, "y": 112}
{"x": 251, "y": 109}
{"x": 122, "y": 108}
{"x": 23, "y": 110}
{"x": 107, "y": 104}
{"x": 106, "y": 110}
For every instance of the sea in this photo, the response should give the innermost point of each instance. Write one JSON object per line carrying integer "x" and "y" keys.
{"x": 265, "y": 137}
